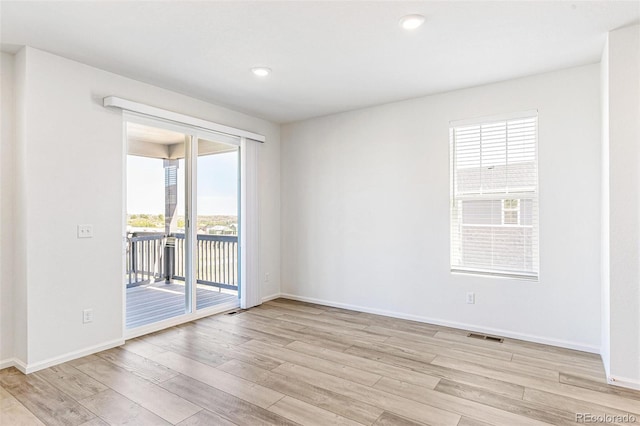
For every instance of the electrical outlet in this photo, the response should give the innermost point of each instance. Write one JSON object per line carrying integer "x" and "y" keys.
{"x": 85, "y": 231}
{"x": 266, "y": 277}
{"x": 471, "y": 298}
{"x": 87, "y": 316}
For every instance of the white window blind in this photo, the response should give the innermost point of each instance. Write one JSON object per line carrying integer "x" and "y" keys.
{"x": 494, "y": 196}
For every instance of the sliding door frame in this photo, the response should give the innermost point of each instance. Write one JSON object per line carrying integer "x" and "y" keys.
{"x": 191, "y": 159}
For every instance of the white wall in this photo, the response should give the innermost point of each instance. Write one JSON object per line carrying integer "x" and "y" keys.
{"x": 365, "y": 211}
{"x": 6, "y": 206}
{"x": 624, "y": 209}
{"x": 73, "y": 170}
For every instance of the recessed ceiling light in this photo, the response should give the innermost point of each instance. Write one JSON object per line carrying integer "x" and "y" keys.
{"x": 261, "y": 71}
{"x": 411, "y": 22}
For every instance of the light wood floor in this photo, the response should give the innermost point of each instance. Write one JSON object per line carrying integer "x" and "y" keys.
{"x": 290, "y": 363}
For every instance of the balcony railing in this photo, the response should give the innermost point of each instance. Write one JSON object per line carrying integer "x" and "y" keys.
{"x": 153, "y": 257}
{"x": 145, "y": 258}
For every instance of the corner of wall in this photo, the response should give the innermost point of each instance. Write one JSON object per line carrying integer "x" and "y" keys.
{"x": 622, "y": 317}
{"x": 20, "y": 308}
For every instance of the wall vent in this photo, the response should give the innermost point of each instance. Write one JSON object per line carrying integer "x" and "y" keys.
{"x": 485, "y": 337}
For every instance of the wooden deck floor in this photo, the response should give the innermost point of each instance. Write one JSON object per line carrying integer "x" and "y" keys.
{"x": 160, "y": 301}
{"x": 290, "y": 363}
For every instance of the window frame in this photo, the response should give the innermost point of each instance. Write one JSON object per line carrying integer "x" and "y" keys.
{"x": 517, "y": 210}
{"x": 503, "y": 196}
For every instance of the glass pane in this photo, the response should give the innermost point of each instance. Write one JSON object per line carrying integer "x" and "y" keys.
{"x": 510, "y": 217}
{"x": 510, "y": 204}
{"x": 217, "y": 217}
{"x": 155, "y": 264}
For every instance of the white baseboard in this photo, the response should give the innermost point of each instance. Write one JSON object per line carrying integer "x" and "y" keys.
{"x": 271, "y": 297}
{"x": 20, "y": 365}
{"x": 14, "y": 362}
{"x": 31, "y": 368}
{"x": 624, "y": 382}
{"x": 453, "y": 324}
{"x": 6, "y": 363}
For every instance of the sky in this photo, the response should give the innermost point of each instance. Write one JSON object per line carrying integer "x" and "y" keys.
{"x": 217, "y": 185}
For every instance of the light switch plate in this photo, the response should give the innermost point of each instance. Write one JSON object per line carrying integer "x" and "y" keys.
{"x": 87, "y": 316}
{"x": 471, "y": 298}
{"x": 85, "y": 231}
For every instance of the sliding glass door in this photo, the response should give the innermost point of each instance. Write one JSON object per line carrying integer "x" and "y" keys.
{"x": 155, "y": 220}
{"x": 217, "y": 218}
{"x": 181, "y": 221}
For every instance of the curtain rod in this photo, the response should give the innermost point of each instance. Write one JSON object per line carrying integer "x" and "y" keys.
{"x": 127, "y": 105}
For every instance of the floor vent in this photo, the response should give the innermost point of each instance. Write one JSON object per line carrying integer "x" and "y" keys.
{"x": 485, "y": 337}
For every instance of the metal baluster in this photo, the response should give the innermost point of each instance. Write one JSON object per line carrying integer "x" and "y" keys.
{"x": 217, "y": 254}
{"x": 149, "y": 260}
{"x": 146, "y": 256}
{"x": 222, "y": 264}
{"x": 142, "y": 260}
{"x": 130, "y": 268}
{"x": 155, "y": 257}
{"x": 229, "y": 264}
{"x": 161, "y": 258}
{"x": 137, "y": 260}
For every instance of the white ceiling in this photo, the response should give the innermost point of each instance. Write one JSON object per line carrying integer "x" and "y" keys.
{"x": 326, "y": 56}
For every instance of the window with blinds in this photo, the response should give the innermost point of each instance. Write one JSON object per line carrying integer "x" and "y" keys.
{"x": 494, "y": 196}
